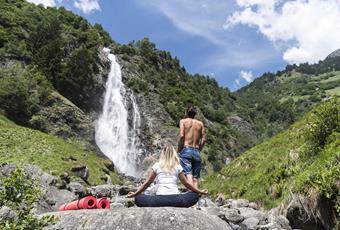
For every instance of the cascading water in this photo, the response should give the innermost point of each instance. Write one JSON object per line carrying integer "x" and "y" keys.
{"x": 117, "y": 129}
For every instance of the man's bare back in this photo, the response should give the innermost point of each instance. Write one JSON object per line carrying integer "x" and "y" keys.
{"x": 192, "y": 133}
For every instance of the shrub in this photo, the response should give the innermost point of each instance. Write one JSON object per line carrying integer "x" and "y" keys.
{"x": 322, "y": 123}
{"x": 20, "y": 193}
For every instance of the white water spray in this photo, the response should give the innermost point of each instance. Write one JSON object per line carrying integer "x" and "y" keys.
{"x": 116, "y": 138}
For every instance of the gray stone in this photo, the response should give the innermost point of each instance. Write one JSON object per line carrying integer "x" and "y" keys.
{"x": 220, "y": 200}
{"x": 124, "y": 190}
{"x": 251, "y": 223}
{"x": 279, "y": 220}
{"x": 7, "y": 214}
{"x": 232, "y": 215}
{"x": 206, "y": 202}
{"x": 137, "y": 219}
{"x": 270, "y": 226}
{"x": 240, "y": 203}
{"x": 249, "y": 212}
{"x": 81, "y": 171}
{"x": 211, "y": 210}
{"x": 253, "y": 205}
{"x": 77, "y": 188}
{"x": 105, "y": 190}
{"x": 124, "y": 201}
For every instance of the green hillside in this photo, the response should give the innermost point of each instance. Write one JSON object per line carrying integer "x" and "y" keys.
{"x": 277, "y": 100}
{"x": 52, "y": 154}
{"x": 304, "y": 158}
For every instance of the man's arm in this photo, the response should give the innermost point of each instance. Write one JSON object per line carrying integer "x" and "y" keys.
{"x": 203, "y": 138}
{"x": 180, "y": 136}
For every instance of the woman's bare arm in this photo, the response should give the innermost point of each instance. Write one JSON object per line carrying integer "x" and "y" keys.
{"x": 145, "y": 185}
{"x": 189, "y": 186}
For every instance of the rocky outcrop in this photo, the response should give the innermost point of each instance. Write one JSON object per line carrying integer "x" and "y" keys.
{"x": 334, "y": 54}
{"x": 242, "y": 214}
{"x": 156, "y": 124}
{"x": 62, "y": 118}
{"x": 311, "y": 213}
{"x": 138, "y": 218}
{"x": 52, "y": 197}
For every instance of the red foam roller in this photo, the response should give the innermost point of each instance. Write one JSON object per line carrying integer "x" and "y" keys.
{"x": 83, "y": 203}
{"x": 103, "y": 203}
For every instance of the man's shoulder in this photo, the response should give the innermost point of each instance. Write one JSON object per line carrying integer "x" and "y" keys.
{"x": 198, "y": 121}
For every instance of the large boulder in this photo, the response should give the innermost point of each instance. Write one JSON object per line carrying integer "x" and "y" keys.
{"x": 138, "y": 218}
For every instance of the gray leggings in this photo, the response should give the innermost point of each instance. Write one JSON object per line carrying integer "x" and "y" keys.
{"x": 183, "y": 200}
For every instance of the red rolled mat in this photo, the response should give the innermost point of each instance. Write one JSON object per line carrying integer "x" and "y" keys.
{"x": 83, "y": 203}
{"x": 103, "y": 203}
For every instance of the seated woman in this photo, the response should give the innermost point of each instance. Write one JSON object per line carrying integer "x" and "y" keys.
{"x": 167, "y": 171}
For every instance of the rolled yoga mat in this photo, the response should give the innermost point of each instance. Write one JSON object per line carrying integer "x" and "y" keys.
{"x": 103, "y": 203}
{"x": 83, "y": 203}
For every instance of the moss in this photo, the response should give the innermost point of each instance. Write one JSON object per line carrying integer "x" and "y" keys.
{"x": 23, "y": 145}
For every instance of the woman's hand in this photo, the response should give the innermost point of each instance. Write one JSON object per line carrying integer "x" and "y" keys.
{"x": 204, "y": 191}
{"x": 131, "y": 194}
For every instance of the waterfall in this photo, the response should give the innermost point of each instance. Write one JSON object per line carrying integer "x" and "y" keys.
{"x": 118, "y": 127}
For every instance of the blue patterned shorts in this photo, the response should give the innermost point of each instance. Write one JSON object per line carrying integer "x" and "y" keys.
{"x": 191, "y": 161}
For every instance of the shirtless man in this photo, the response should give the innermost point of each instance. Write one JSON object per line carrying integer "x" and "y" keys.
{"x": 191, "y": 141}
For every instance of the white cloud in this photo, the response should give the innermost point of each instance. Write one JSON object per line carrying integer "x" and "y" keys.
{"x": 197, "y": 17}
{"x": 87, "y": 6}
{"x": 247, "y": 76}
{"x": 308, "y": 29}
{"x": 238, "y": 83}
{"x": 43, "y": 2}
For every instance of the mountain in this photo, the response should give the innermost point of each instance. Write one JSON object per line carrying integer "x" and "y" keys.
{"x": 334, "y": 54}
{"x": 277, "y": 100}
{"x": 298, "y": 168}
{"x": 53, "y": 79}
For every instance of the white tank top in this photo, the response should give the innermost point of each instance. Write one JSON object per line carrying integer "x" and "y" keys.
{"x": 166, "y": 182}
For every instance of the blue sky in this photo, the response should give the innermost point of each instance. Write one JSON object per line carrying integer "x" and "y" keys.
{"x": 233, "y": 41}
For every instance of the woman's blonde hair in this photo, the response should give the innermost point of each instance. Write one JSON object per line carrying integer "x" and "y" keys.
{"x": 168, "y": 159}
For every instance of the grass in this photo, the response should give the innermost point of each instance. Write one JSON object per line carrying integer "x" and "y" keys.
{"x": 333, "y": 78}
{"x": 24, "y": 145}
{"x": 268, "y": 172}
{"x": 334, "y": 92}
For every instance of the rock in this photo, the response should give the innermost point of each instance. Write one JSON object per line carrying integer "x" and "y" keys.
{"x": 240, "y": 203}
{"x": 253, "y": 205}
{"x": 70, "y": 158}
{"x": 123, "y": 201}
{"x": 206, "y": 202}
{"x": 278, "y": 220}
{"x": 310, "y": 213}
{"x": 6, "y": 169}
{"x": 211, "y": 211}
{"x": 249, "y": 212}
{"x": 124, "y": 190}
{"x": 60, "y": 117}
{"x": 232, "y": 215}
{"x": 103, "y": 190}
{"x": 137, "y": 219}
{"x": 270, "y": 226}
{"x": 251, "y": 223}
{"x": 77, "y": 188}
{"x": 110, "y": 166}
{"x": 81, "y": 171}
{"x": 45, "y": 179}
{"x": 7, "y": 214}
{"x": 65, "y": 177}
{"x": 220, "y": 200}
{"x": 53, "y": 198}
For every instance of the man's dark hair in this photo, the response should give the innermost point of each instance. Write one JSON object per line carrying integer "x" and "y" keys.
{"x": 191, "y": 111}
